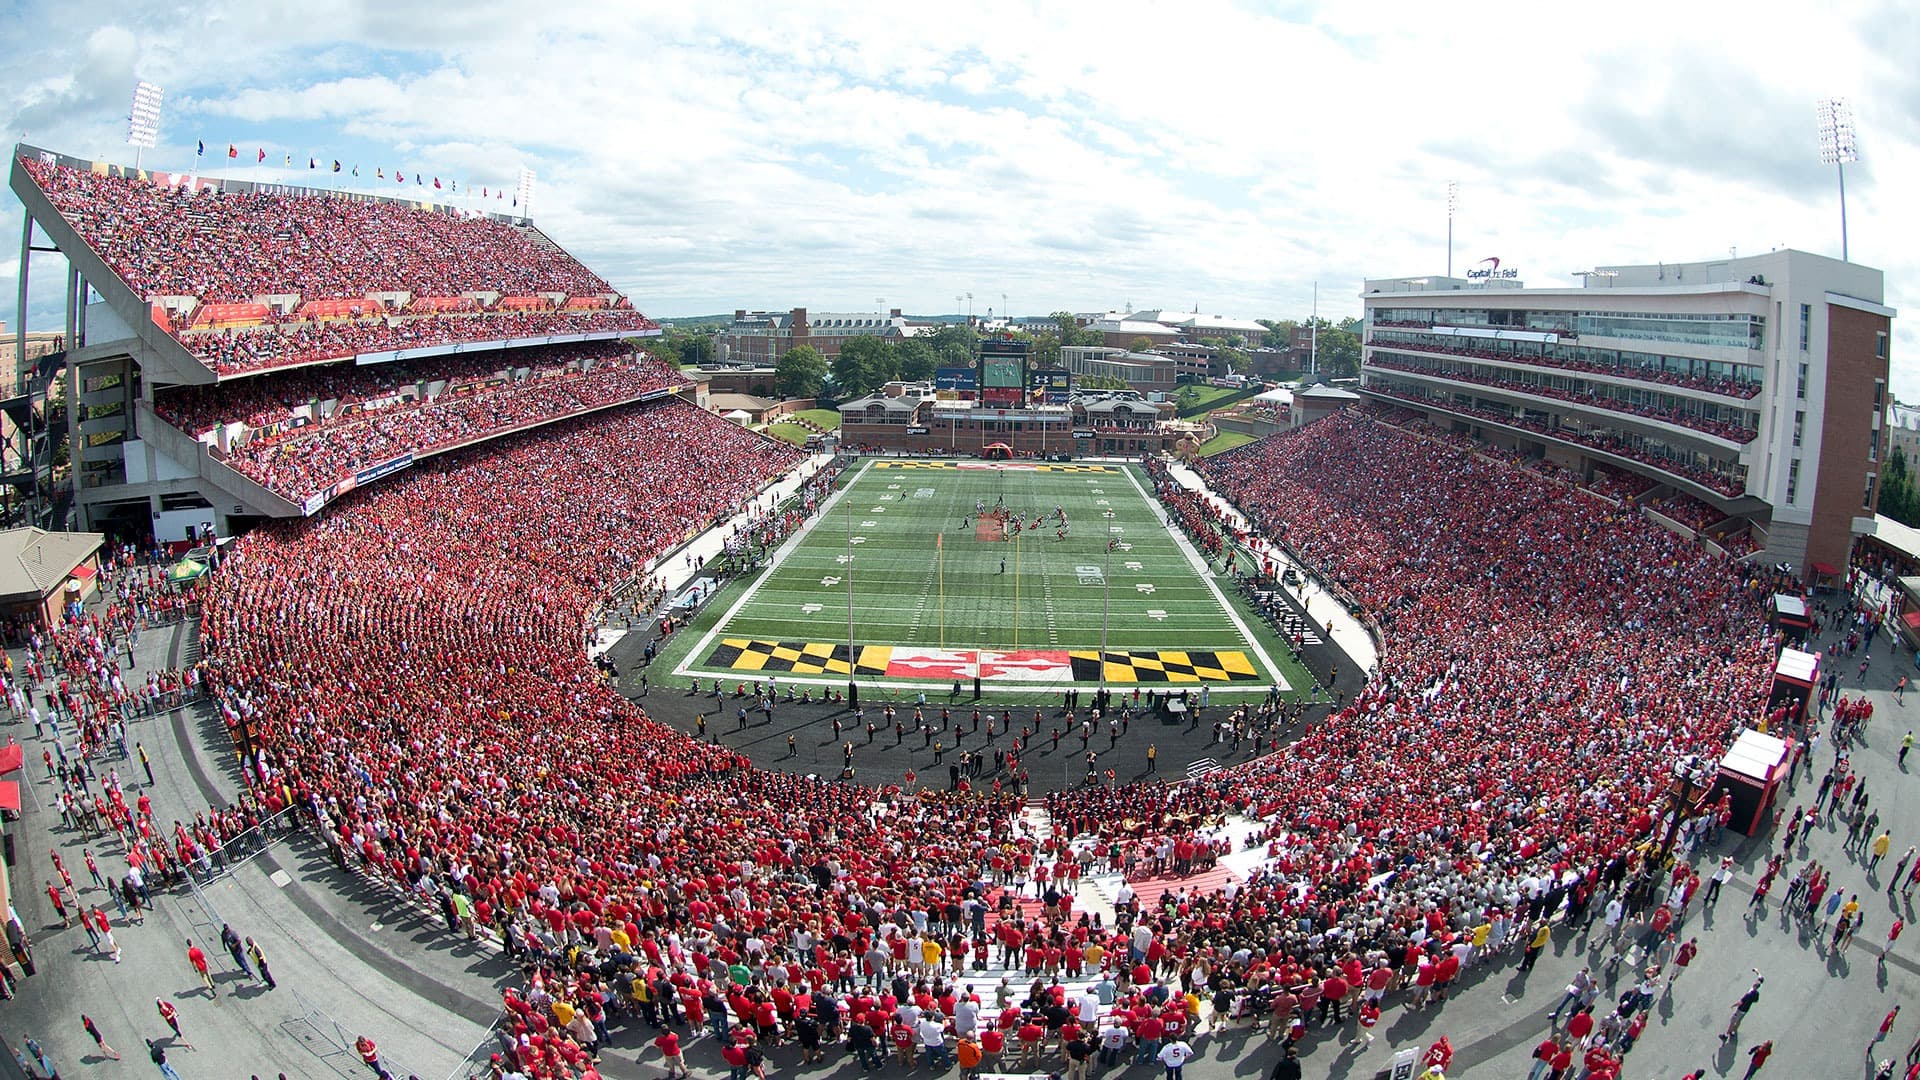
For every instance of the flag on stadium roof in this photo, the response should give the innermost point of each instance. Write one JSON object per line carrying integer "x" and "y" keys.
{"x": 201, "y": 151}
{"x": 233, "y": 151}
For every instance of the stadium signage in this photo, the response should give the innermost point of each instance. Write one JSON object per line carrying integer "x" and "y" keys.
{"x": 385, "y": 468}
{"x": 1490, "y": 270}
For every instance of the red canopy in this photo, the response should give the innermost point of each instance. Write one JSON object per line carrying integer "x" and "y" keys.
{"x": 1912, "y": 619}
{"x": 1825, "y": 570}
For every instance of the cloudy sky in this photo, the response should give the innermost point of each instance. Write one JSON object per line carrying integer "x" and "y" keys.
{"x": 1082, "y": 156}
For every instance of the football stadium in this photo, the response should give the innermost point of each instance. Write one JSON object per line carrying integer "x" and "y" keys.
{"x": 1019, "y": 573}
{"x": 444, "y": 691}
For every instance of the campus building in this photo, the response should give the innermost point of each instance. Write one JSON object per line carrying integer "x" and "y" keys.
{"x": 1746, "y": 397}
{"x": 1148, "y": 373}
{"x": 761, "y": 338}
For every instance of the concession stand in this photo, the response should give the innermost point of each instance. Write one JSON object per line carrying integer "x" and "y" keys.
{"x": 1788, "y": 615}
{"x": 1750, "y": 774}
{"x": 1796, "y": 678}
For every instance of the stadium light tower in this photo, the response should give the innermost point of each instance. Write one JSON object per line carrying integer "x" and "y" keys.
{"x": 1837, "y": 148}
{"x": 143, "y": 118}
{"x": 1453, "y": 203}
{"x": 524, "y": 193}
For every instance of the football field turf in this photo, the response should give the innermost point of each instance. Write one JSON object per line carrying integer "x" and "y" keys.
{"x": 934, "y": 598}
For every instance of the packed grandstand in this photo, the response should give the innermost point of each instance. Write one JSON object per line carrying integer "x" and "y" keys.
{"x": 409, "y": 665}
{"x": 248, "y": 281}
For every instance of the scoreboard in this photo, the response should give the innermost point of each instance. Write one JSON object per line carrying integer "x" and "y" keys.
{"x": 1003, "y": 373}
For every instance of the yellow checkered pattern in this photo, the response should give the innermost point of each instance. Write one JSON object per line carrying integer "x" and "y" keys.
{"x": 797, "y": 657}
{"x": 1164, "y": 666}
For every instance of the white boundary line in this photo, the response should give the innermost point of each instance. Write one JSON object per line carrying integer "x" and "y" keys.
{"x": 1206, "y": 578}
{"x": 1001, "y": 683}
{"x": 773, "y": 561}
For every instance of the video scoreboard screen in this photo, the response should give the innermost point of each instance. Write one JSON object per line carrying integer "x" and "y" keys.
{"x": 1003, "y": 373}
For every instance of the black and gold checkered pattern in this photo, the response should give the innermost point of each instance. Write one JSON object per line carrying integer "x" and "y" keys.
{"x": 1164, "y": 666}
{"x": 797, "y": 657}
{"x": 1041, "y": 467}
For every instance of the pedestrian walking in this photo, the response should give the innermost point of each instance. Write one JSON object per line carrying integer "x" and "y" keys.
{"x": 59, "y": 903}
{"x": 1758, "y": 1056}
{"x": 105, "y": 929}
{"x": 1742, "y": 1006}
{"x": 369, "y": 1054}
{"x": 1175, "y": 1055}
{"x": 41, "y": 1058}
{"x": 98, "y": 1039}
{"x": 198, "y": 959}
{"x": 260, "y": 962}
{"x": 1720, "y": 877}
{"x": 159, "y": 1057}
{"x": 170, "y": 1013}
{"x": 231, "y": 941}
{"x": 146, "y": 763}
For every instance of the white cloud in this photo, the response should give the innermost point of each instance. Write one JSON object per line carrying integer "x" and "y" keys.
{"x": 728, "y": 154}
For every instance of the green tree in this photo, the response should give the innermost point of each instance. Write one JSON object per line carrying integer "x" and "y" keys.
{"x": 1899, "y": 499}
{"x": 663, "y": 349}
{"x": 800, "y": 373}
{"x": 1068, "y": 331}
{"x": 915, "y": 358}
{"x": 1279, "y": 333}
{"x": 865, "y": 364}
{"x": 1228, "y": 357}
{"x": 953, "y": 345}
{"x": 1140, "y": 344}
{"x": 1338, "y": 352}
{"x": 695, "y": 348}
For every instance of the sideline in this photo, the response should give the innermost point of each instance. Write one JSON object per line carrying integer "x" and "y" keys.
{"x": 774, "y": 559}
{"x": 1348, "y": 634}
{"x": 1205, "y": 573}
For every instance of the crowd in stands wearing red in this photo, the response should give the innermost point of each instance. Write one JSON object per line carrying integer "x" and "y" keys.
{"x": 236, "y": 248}
{"x": 382, "y": 411}
{"x": 1597, "y": 395}
{"x": 1726, "y": 485}
{"x": 1740, "y": 388}
{"x": 412, "y": 661}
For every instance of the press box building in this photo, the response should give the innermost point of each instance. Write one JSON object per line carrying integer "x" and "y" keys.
{"x": 1756, "y": 385}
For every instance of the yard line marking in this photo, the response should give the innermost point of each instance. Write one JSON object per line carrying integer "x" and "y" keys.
{"x": 705, "y": 646}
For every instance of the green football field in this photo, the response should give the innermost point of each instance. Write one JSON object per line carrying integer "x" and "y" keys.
{"x": 935, "y": 598}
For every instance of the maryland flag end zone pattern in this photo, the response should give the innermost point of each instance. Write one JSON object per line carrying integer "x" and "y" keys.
{"x": 989, "y": 466}
{"x": 1047, "y": 666}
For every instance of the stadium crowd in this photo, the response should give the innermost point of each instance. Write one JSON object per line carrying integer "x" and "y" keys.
{"x": 374, "y": 424}
{"x": 1596, "y": 395}
{"x": 284, "y": 342}
{"x": 230, "y": 247}
{"x": 1729, "y": 485}
{"x": 1740, "y": 388}
{"x": 237, "y": 248}
{"x": 410, "y": 662}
